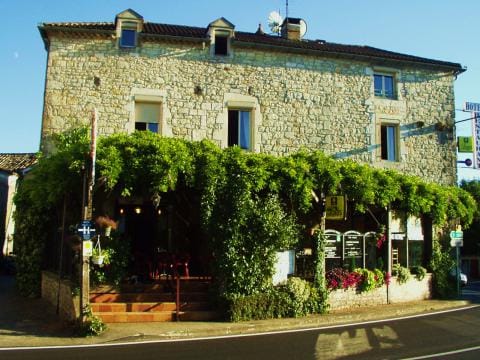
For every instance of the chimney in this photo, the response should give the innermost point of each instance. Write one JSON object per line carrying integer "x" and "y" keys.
{"x": 291, "y": 29}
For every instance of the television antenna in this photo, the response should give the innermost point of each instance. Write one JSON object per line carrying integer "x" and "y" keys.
{"x": 275, "y": 21}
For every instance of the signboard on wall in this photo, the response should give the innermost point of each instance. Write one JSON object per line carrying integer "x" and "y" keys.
{"x": 333, "y": 244}
{"x": 284, "y": 266}
{"x": 465, "y": 144}
{"x": 336, "y": 207}
{"x": 353, "y": 244}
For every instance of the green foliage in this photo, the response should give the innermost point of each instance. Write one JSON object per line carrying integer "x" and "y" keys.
{"x": 252, "y": 205}
{"x": 92, "y": 326}
{"x": 444, "y": 285}
{"x": 371, "y": 279}
{"x": 294, "y": 298}
{"x": 419, "y": 272}
{"x": 39, "y": 202}
{"x": 402, "y": 273}
{"x": 319, "y": 278}
{"x": 116, "y": 252}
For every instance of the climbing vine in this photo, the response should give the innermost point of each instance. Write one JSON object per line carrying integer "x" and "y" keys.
{"x": 251, "y": 204}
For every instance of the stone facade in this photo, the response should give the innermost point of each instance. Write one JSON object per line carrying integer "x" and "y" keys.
{"x": 299, "y": 100}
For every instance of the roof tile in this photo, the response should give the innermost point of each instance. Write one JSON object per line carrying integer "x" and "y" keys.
{"x": 327, "y": 48}
{"x": 18, "y": 161}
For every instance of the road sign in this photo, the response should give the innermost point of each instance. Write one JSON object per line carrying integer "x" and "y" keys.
{"x": 456, "y": 242}
{"x": 86, "y": 230}
{"x": 456, "y": 235}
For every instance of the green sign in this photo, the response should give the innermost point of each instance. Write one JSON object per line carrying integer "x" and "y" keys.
{"x": 456, "y": 235}
{"x": 465, "y": 144}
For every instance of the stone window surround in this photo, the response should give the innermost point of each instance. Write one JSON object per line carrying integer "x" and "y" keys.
{"x": 221, "y": 28}
{"x": 383, "y": 70}
{"x": 127, "y": 25}
{"x": 128, "y": 20}
{"x": 150, "y": 96}
{"x": 400, "y": 148}
{"x": 236, "y": 101}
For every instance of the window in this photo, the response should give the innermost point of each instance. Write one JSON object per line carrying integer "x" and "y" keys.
{"x": 389, "y": 142}
{"x": 128, "y": 38}
{"x": 147, "y": 116}
{"x": 239, "y": 128}
{"x": 384, "y": 86}
{"x": 221, "y": 45}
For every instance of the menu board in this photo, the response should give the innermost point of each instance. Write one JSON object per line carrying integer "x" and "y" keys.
{"x": 333, "y": 246}
{"x": 353, "y": 245}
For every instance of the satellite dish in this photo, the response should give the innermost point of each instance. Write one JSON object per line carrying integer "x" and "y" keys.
{"x": 275, "y": 22}
{"x": 303, "y": 28}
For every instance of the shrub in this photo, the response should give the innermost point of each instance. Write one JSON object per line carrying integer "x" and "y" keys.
{"x": 339, "y": 278}
{"x": 370, "y": 279}
{"x": 92, "y": 326}
{"x": 294, "y": 298}
{"x": 402, "y": 273}
{"x": 419, "y": 272}
{"x": 443, "y": 284}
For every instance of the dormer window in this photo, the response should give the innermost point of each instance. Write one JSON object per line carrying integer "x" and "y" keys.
{"x": 221, "y": 32}
{"x": 221, "y": 44}
{"x": 128, "y": 25}
{"x": 128, "y": 38}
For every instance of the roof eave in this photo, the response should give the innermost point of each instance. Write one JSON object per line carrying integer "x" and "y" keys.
{"x": 455, "y": 68}
{"x": 45, "y": 28}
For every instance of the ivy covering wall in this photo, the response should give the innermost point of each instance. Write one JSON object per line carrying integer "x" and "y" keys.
{"x": 252, "y": 205}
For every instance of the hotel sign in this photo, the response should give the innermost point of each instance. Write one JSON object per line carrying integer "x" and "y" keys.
{"x": 472, "y": 107}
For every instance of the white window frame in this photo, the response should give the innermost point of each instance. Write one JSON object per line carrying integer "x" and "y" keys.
{"x": 128, "y": 26}
{"x": 156, "y": 96}
{"x": 385, "y": 144}
{"x": 384, "y": 74}
{"x": 239, "y": 131}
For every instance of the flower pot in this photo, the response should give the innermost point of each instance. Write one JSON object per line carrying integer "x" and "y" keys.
{"x": 108, "y": 229}
{"x": 97, "y": 259}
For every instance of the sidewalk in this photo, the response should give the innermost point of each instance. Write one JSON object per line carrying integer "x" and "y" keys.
{"x": 32, "y": 322}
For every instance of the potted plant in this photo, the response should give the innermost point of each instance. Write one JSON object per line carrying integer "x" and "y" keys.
{"x": 101, "y": 256}
{"x": 106, "y": 223}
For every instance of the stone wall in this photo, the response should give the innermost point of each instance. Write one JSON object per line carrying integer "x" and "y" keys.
{"x": 69, "y": 305}
{"x": 413, "y": 290}
{"x": 300, "y": 101}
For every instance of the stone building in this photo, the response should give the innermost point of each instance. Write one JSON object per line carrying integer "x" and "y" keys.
{"x": 265, "y": 93}
{"x": 274, "y": 94}
{"x": 12, "y": 169}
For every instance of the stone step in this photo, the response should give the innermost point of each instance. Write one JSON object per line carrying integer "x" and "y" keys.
{"x": 147, "y": 297}
{"x": 148, "y": 307}
{"x": 158, "y": 286}
{"x": 161, "y": 316}
{"x": 131, "y": 317}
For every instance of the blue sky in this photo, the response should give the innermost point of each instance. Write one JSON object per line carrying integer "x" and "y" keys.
{"x": 438, "y": 29}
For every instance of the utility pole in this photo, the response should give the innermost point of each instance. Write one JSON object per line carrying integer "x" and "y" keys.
{"x": 89, "y": 182}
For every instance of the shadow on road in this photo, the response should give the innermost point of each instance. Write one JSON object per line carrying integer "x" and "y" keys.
{"x": 471, "y": 292}
{"x": 20, "y": 316}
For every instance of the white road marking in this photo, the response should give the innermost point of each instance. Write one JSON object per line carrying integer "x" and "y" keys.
{"x": 290, "y": 331}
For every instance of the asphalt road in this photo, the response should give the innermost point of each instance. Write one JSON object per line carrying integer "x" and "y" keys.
{"x": 412, "y": 337}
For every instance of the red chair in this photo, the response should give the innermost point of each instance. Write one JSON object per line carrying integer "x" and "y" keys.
{"x": 181, "y": 261}
{"x": 164, "y": 264}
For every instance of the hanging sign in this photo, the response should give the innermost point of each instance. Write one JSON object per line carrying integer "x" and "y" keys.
{"x": 476, "y": 139}
{"x": 336, "y": 207}
{"x": 465, "y": 144}
{"x": 471, "y": 106}
{"x": 86, "y": 229}
{"x": 87, "y": 248}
